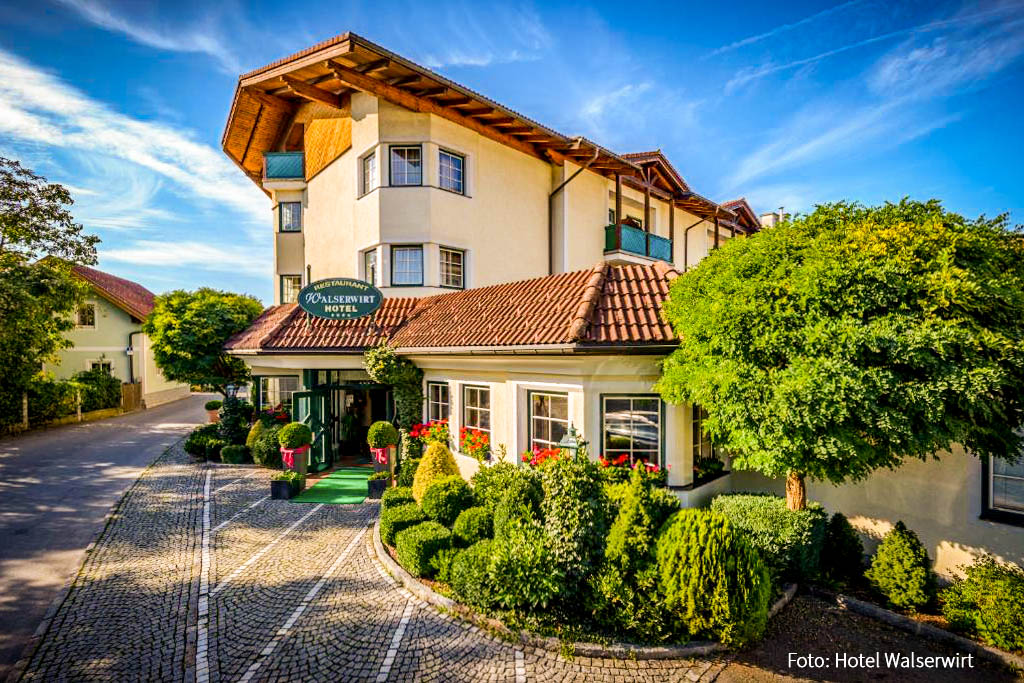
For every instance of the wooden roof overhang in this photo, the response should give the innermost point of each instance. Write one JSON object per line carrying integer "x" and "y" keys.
{"x": 266, "y": 100}
{"x": 665, "y": 183}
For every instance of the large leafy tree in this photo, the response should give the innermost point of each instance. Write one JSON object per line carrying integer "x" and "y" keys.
{"x": 853, "y": 338}
{"x": 38, "y": 294}
{"x": 188, "y": 331}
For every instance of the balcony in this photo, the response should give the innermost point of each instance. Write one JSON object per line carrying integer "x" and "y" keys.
{"x": 284, "y": 170}
{"x": 621, "y": 241}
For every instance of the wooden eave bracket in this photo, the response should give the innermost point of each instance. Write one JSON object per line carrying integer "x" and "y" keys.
{"x": 311, "y": 92}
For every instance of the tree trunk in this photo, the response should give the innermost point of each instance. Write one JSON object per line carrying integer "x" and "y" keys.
{"x": 796, "y": 493}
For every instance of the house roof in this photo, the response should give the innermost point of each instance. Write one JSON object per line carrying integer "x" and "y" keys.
{"x": 746, "y": 219}
{"x": 131, "y": 297}
{"x": 605, "y": 307}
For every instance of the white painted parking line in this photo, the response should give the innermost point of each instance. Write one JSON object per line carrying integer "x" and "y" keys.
{"x": 233, "y": 575}
{"x": 240, "y": 513}
{"x": 203, "y": 627}
{"x": 282, "y": 632}
{"x": 396, "y": 640}
{"x": 232, "y": 483}
{"x": 520, "y": 666}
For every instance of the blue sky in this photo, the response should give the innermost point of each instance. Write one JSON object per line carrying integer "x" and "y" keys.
{"x": 789, "y": 105}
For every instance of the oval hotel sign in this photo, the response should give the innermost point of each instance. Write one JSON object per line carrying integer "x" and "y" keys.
{"x": 340, "y": 298}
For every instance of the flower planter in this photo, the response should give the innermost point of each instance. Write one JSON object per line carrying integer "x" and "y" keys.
{"x": 283, "y": 490}
{"x": 213, "y": 416}
{"x": 375, "y": 488}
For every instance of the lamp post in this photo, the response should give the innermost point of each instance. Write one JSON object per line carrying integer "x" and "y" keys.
{"x": 572, "y": 442}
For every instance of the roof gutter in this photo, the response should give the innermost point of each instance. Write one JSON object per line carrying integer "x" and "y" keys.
{"x": 551, "y": 207}
{"x": 642, "y": 348}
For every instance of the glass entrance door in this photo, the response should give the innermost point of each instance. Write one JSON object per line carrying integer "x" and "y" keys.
{"x": 312, "y": 409}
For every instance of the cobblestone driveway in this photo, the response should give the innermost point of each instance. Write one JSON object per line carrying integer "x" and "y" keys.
{"x": 200, "y": 577}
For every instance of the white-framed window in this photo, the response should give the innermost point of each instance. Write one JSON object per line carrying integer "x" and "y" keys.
{"x": 631, "y": 425}
{"x": 85, "y": 316}
{"x": 369, "y": 172}
{"x": 102, "y": 364}
{"x": 291, "y": 216}
{"x": 452, "y": 271}
{"x": 406, "y": 165}
{"x": 1006, "y": 486}
{"x": 451, "y": 174}
{"x": 438, "y": 404}
{"x": 549, "y": 418}
{"x": 370, "y": 266}
{"x": 276, "y": 391}
{"x": 407, "y": 265}
{"x": 290, "y": 287}
{"x": 476, "y": 408}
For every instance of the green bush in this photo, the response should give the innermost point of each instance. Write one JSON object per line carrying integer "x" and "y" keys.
{"x": 842, "y": 553}
{"x": 445, "y": 498}
{"x": 213, "y": 448}
{"x": 49, "y": 399}
{"x": 100, "y": 390}
{"x": 490, "y": 484}
{"x": 472, "y": 525}
{"x": 575, "y": 519}
{"x": 417, "y": 545}
{"x": 234, "y": 454}
{"x": 254, "y": 433}
{"x": 436, "y": 463}
{"x": 234, "y": 420}
{"x": 441, "y": 564}
{"x": 195, "y": 443}
{"x": 266, "y": 451}
{"x": 397, "y": 518}
{"x": 625, "y": 589}
{"x": 470, "y": 577}
{"x": 711, "y": 578}
{"x": 524, "y": 573}
{"x": 901, "y": 570}
{"x": 213, "y": 405}
{"x": 381, "y": 435}
{"x": 789, "y": 540}
{"x": 295, "y": 435}
{"x": 290, "y": 476}
{"x": 393, "y": 497}
{"x": 512, "y": 507}
{"x": 988, "y": 603}
{"x": 407, "y": 472}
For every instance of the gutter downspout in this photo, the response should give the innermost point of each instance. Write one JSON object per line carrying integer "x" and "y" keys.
{"x": 551, "y": 209}
{"x": 686, "y": 243}
{"x": 131, "y": 355}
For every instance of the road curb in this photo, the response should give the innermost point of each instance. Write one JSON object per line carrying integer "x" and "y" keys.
{"x": 525, "y": 638}
{"x": 29, "y": 651}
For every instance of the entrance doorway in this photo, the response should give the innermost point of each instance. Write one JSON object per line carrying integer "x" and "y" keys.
{"x": 346, "y": 410}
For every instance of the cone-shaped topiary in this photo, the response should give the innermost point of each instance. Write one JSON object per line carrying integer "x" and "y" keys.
{"x": 254, "y": 433}
{"x": 381, "y": 435}
{"x": 437, "y": 462}
{"x": 295, "y": 435}
{"x": 713, "y": 583}
{"x": 901, "y": 569}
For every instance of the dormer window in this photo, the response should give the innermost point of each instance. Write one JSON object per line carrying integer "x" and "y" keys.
{"x": 406, "y": 165}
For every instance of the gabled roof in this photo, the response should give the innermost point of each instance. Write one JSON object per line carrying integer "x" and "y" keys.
{"x": 746, "y": 219}
{"x": 130, "y": 297}
{"x": 605, "y": 307}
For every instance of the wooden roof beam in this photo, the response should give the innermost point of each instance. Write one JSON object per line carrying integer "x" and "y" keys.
{"x": 456, "y": 101}
{"x": 402, "y": 80}
{"x": 477, "y": 112}
{"x": 311, "y": 92}
{"x": 431, "y": 92}
{"x": 502, "y": 121}
{"x": 376, "y": 65}
{"x": 269, "y": 100}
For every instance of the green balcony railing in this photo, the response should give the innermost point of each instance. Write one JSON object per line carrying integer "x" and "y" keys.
{"x": 630, "y": 239}
{"x": 283, "y": 166}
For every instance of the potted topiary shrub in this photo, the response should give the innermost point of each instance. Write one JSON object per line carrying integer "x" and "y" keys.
{"x": 382, "y": 436}
{"x": 295, "y": 439}
{"x": 286, "y": 484}
{"x": 212, "y": 410}
{"x": 377, "y": 484}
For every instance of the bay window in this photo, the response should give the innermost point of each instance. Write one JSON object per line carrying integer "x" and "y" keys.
{"x": 631, "y": 425}
{"x": 407, "y": 266}
{"x": 452, "y": 273}
{"x": 549, "y": 419}
{"x": 406, "y": 165}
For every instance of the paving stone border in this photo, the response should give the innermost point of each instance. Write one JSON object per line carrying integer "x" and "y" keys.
{"x": 939, "y": 635}
{"x": 526, "y": 638}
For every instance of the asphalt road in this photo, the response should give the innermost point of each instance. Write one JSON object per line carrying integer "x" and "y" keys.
{"x": 56, "y": 485}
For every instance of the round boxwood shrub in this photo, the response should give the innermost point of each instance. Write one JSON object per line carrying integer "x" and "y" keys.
{"x": 295, "y": 435}
{"x": 254, "y": 433}
{"x": 398, "y": 518}
{"x": 266, "y": 451}
{"x": 490, "y": 484}
{"x": 901, "y": 570}
{"x": 445, "y": 498}
{"x": 195, "y": 444}
{"x": 393, "y": 497}
{"x": 234, "y": 454}
{"x": 988, "y": 603}
{"x": 381, "y": 435}
{"x": 472, "y": 525}
{"x": 437, "y": 462}
{"x": 441, "y": 564}
{"x": 470, "y": 577}
{"x": 407, "y": 472}
{"x": 417, "y": 545}
{"x": 712, "y": 581}
{"x": 789, "y": 540}
{"x": 842, "y": 553}
{"x": 213, "y": 405}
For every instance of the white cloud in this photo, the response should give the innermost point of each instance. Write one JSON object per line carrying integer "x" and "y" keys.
{"x": 203, "y": 38}
{"x": 467, "y": 37}
{"x": 228, "y": 259}
{"x": 783, "y": 28}
{"x": 38, "y": 109}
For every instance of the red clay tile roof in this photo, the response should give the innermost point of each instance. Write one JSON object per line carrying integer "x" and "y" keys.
{"x": 605, "y": 306}
{"x": 129, "y": 296}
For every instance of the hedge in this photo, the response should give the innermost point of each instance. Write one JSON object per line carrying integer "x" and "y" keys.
{"x": 398, "y": 518}
{"x": 417, "y": 545}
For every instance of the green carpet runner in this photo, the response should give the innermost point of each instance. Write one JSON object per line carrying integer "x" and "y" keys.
{"x": 343, "y": 485}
